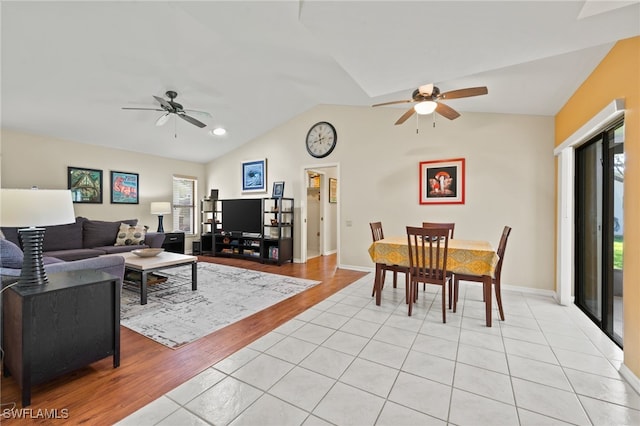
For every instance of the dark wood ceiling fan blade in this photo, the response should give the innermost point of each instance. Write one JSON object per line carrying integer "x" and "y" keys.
{"x": 405, "y": 116}
{"x": 446, "y": 111}
{"x": 166, "y": 105}
{"x": 192, "y": 120}
{"x": 393, "y": 102}
{"x": 144, "y": 109}
{"x": 464, "y": 93}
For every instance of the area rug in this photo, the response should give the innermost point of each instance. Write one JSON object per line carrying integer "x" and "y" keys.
{"x": 175, "y": 315}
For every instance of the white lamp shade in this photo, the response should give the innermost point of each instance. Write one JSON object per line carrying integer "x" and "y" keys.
{"x": 426, "y": 107}
{"x": 35, "y": 207}
{"x": 161, "y": 207}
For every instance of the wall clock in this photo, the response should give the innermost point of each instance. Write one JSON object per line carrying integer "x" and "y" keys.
{"x": 321, "y": 139}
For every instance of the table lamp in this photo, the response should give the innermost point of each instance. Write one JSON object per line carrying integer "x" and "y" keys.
{"x": 160, "y": 208}
{"x": 32, "y": 209}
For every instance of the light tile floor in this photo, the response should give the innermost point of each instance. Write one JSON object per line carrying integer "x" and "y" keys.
{"x": 346, "y": 361}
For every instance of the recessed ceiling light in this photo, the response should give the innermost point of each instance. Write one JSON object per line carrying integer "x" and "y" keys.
{"x": 218, "y": 131}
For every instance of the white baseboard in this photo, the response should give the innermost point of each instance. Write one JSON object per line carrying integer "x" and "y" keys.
{"x": 530, "y": 290}
{"x": 357, "y": 268}
{"x": 631, "y": 378}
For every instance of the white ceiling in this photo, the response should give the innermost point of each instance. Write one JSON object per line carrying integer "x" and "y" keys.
{"x": 68, "y": 68}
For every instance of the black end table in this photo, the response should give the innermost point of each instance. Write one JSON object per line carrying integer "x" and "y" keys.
{"x": 53, "y": 329}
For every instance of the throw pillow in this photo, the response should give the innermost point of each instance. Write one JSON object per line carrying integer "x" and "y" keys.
{"x": 129, "y": 235}
{"x": 10, "y": 255}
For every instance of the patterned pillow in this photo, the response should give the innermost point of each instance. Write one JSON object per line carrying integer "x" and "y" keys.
{"x": 130, "y": 235}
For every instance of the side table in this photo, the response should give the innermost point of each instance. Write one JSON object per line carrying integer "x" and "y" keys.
{"x": 53, "y": 329}
{"x": 174, "y": 242}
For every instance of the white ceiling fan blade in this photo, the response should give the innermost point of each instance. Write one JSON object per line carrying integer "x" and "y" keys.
{"x": 163, "y": 119}
{"x": 201, "y": 113}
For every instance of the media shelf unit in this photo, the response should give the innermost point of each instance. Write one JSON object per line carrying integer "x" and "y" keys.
{"x": 277, "y": 224}
{"x": 254, "y": 229}
{"x": 210, "y": 216}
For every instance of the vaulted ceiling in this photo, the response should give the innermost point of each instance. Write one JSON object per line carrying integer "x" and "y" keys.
{"x": 68, "y": 68}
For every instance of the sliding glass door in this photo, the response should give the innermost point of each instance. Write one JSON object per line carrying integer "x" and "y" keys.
{"x": 600, "y": 229}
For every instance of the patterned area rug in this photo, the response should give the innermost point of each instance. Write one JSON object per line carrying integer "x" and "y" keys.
{"x": 174, "y": 315}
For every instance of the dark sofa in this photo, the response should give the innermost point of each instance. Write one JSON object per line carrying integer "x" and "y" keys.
{"x": 86, "y": 239}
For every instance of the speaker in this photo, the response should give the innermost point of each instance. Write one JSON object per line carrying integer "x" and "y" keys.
{"x": 214, "y": 194}
{"x": 195, "y": 248}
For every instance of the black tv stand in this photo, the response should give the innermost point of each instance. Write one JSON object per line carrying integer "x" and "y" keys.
{"x": 273, "y": 245}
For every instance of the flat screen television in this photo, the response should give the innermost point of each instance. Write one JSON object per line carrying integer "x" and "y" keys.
{"x": 242, "y": 215}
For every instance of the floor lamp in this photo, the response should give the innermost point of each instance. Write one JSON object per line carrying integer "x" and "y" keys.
{"x": 32, "y": 209}
{"x": 160, "y": 208}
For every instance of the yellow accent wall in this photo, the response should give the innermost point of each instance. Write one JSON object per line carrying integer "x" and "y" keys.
{"x": 617, "y": 76}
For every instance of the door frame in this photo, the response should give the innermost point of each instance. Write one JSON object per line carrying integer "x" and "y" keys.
{"x": 566, "y": 196}
{"x": 324, "y": 207}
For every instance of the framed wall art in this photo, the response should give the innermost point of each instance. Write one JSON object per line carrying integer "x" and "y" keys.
{"x": 333, "y": 190}
{"x": 442, "y": 181}
{"x": 254, "y": 176}
{"x": 278, "y": 190}
{"x": 85, "y": 185}
{"x": 124, "y": 188}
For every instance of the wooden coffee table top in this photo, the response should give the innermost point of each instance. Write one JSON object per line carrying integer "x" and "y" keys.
{"x": 162, "y": 260}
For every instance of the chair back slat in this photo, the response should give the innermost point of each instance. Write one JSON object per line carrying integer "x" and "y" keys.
{"x": 376, "y": 231}
{"x": 444, "y": 225}
{"x": 428, "y": 253}
{"x": 502, "y": 247}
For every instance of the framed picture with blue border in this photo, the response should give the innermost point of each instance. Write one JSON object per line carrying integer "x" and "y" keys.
{"x": 254, "y": 175}
{"x": 124, "y": 188}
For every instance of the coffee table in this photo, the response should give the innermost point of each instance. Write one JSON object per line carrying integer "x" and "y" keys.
{"x": 164, "y": 260}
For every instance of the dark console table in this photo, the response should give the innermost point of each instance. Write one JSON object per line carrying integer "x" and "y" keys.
{"x": 53, "y": 329}
{"x": 174, "y": 242}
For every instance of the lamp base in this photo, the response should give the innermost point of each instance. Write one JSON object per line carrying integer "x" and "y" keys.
{"x": 160, "y": 227}
{"x": 33, "y": 272}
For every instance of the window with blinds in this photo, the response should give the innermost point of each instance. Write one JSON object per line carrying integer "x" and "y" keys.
{"x": 184, "y": 210}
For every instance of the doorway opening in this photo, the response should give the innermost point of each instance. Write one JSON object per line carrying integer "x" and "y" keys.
{"x": 319, "y": 231}
{"x": 314, "y": 215}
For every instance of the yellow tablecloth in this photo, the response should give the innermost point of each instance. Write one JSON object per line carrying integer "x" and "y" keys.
{"x": 464, "y": 256}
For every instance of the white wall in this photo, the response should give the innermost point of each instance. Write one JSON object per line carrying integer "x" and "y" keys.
{"x": 510, "y": 179}
{"x": 29, "y": 160}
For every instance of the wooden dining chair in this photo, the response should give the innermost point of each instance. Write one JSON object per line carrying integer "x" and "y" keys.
{"x": 378, "y": 234}
{"x": 495, "y": 280}
{"x": 428, "y": 261}
{"x": 450, "y": 227}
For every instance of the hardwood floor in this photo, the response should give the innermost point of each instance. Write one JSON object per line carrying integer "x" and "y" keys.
{"x": 102, "y": 395}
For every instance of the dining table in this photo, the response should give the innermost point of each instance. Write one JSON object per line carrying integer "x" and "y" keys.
{"x": 470, "y": 257}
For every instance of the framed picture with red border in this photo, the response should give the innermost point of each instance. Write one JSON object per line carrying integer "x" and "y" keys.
{"x": 442, "y": 181}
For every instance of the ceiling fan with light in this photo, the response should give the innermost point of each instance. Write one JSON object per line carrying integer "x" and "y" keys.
{"x": 170, "y": 106}
{"x": 429, "y": 100}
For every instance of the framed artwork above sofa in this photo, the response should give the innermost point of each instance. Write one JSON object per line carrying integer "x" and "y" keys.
{"x": 85, "y": 185}
{"x": 124, "y": 188}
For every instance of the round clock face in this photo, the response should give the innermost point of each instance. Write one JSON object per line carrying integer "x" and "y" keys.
{"x": 321, "y": 139}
